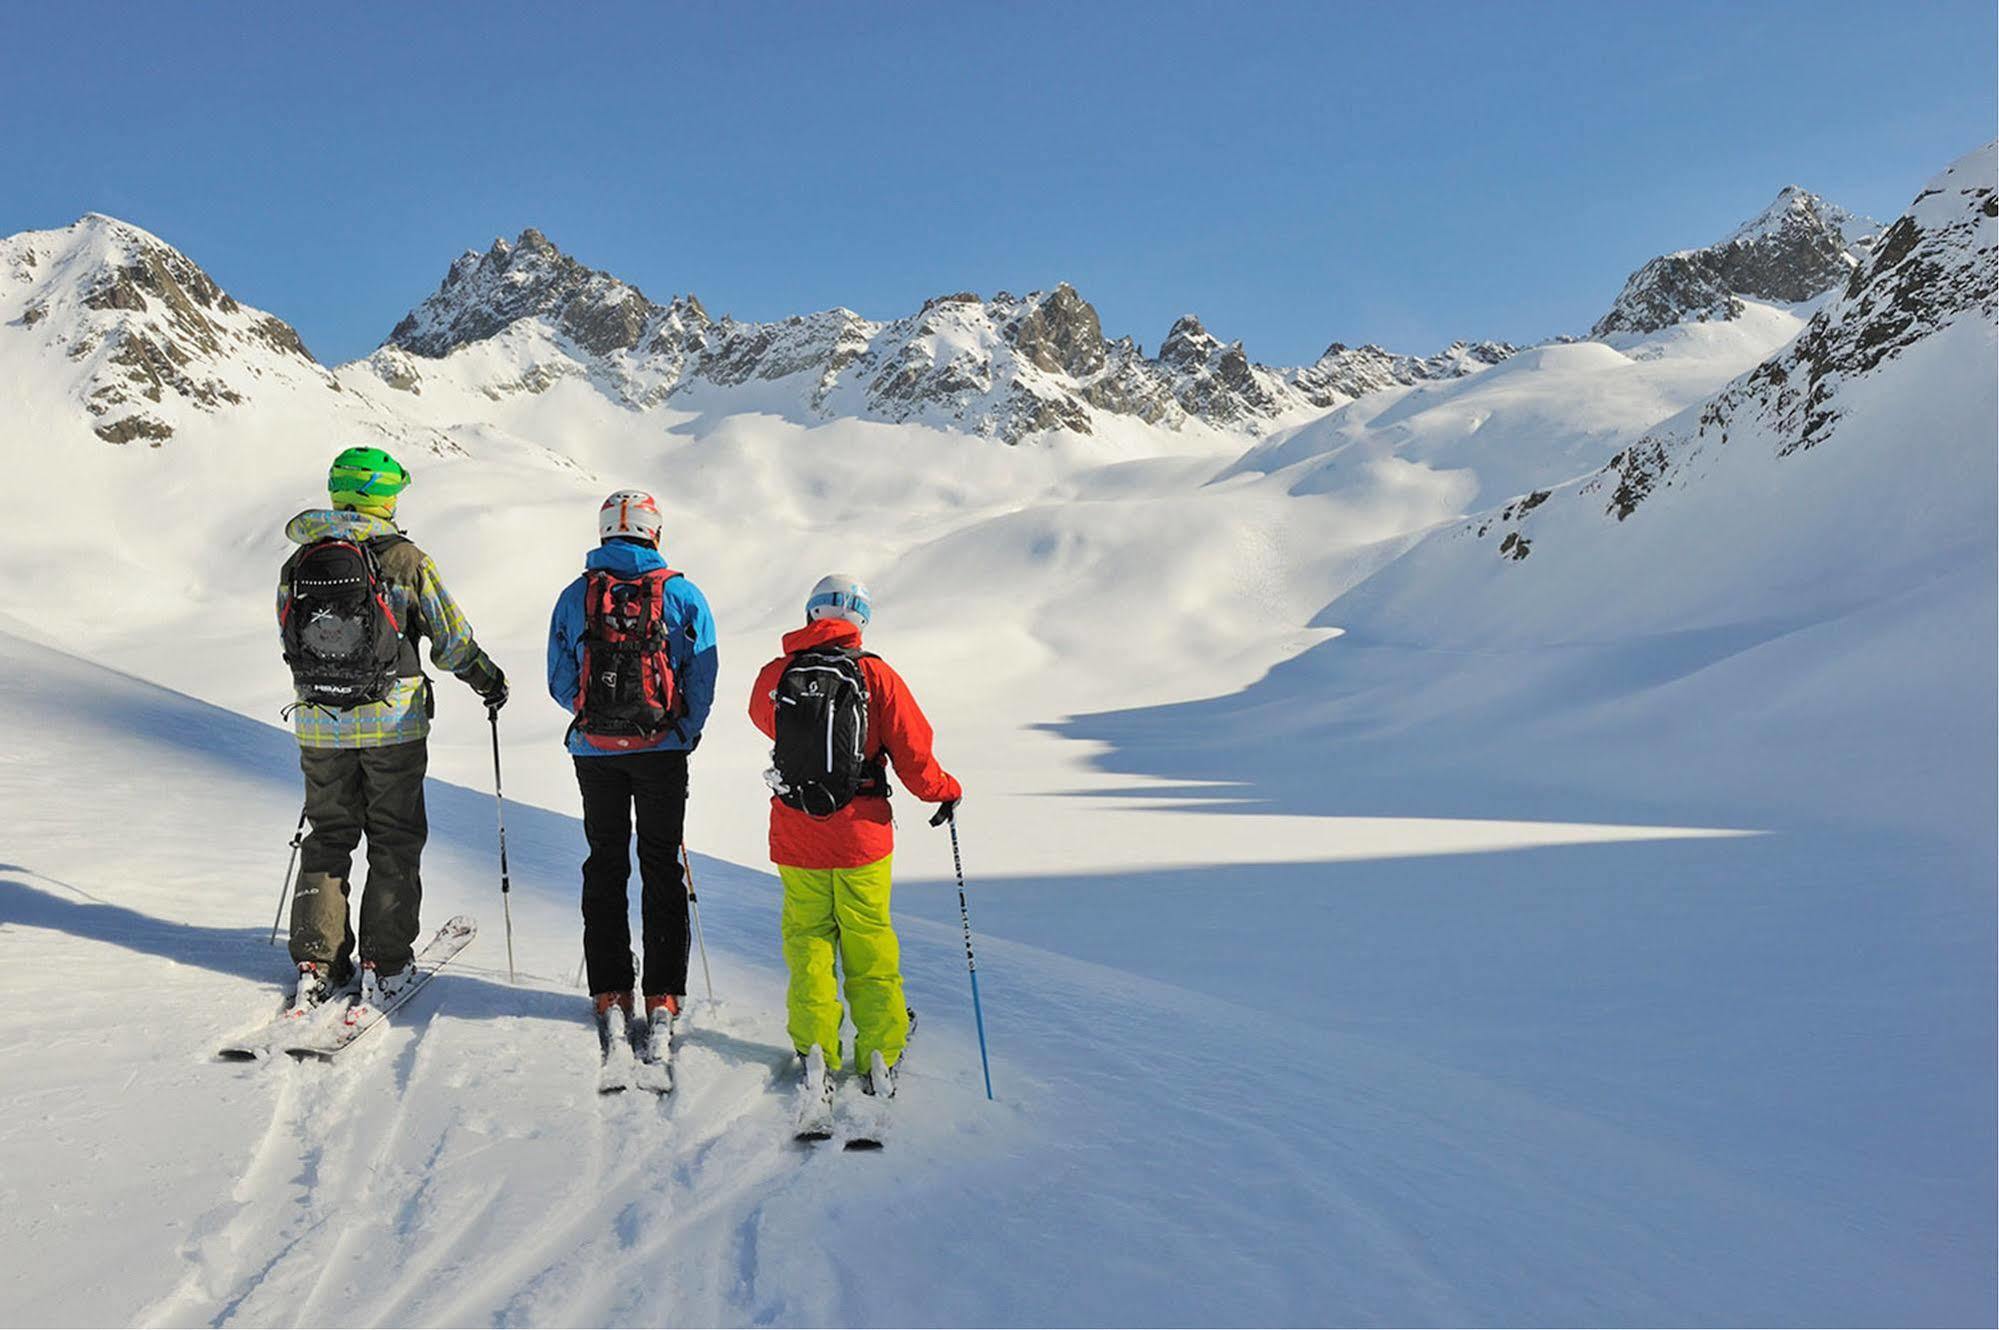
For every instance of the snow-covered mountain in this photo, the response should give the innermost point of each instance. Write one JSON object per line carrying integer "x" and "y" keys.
{"x": 1788, "y": 573}
{"x": 1831, "y": 450}
{"x": 136, "y": 334}
{"x": 1006, "y": 367}
{"x": 1794, "y": 250}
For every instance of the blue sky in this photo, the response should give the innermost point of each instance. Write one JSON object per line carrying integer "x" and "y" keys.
{"x": 1294, "y": 173}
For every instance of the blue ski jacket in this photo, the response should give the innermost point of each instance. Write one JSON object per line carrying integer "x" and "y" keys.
{"x": 690, "y": 628}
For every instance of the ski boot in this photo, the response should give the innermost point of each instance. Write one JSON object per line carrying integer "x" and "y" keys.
{"x": 380, "y": 988}
{"x": 815, "y": 1097}
{"x": 661, "y": 1011}
{"x": 614, "y": 1014}
{"x": 315, "y": 989}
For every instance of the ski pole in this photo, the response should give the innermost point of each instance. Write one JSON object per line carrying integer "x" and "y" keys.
{"x": 694, "y": 904}
{"x": 284, "y": 893}
{"x": 971, "y": 966}
{"x": 500, "y": 807}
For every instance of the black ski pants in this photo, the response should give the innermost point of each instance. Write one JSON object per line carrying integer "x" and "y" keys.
{"x": 349, "y": 792}
{"x": 655, "y": 785}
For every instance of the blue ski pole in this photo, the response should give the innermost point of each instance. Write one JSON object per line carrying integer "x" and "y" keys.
{"x": 971, "y": 966}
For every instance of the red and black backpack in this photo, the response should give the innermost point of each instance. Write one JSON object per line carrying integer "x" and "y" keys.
{"x": 341, "y": 638}
{"x": 626, "y": 694}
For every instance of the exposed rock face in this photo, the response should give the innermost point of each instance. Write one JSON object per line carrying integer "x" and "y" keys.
{"x": 484, "y": 294}
{"x": 826, "y": 343}
{"x": 395, "y": 368}
{"x": 1216, "y": 382}
{"x": 1060, "y": 334}
{"x": 1344, "y": 373}
{"x": 153, "y": 331}
{"x": 1798, "y": 248}
{"x": 1131, "y": 385}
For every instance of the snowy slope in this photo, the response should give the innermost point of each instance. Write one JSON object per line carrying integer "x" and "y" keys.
{"x": 1776, "y": 611}
{"x": 1437, "y": 450}
{"x": 1264, "y": 1151}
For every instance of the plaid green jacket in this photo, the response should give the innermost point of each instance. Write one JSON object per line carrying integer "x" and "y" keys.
{"x": 418, "y": 599}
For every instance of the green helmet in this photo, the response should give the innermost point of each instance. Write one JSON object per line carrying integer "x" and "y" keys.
{"x": 366, "y": 478}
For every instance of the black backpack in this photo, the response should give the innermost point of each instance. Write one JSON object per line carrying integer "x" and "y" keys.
{"x": 821, "y": 727}
{"x": 341, "y": 639}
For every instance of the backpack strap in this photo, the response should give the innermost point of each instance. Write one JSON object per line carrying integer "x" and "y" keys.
{"x": 876, "y": 781}
{"x": 409, "y": 663}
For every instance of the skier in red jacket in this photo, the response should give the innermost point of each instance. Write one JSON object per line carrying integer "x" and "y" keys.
{"x": 832, "y": 835}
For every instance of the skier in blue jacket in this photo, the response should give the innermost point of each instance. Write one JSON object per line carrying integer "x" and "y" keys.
{"x": 648, "y": 639}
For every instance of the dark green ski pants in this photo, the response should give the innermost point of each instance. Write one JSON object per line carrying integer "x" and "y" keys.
{"x": 350, "y": 792}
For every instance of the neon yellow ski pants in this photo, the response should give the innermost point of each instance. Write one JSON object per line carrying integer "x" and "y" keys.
{"x": 843, "y": 910}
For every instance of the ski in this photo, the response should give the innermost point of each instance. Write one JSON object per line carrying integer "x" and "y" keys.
{"x": 814, "y": 1113}
{"x": 652, "y": 1052}
{"x": 290, "y": 1025}
{"x": 614, "y": 1045}
{"x": 868, "y": 1118}
{"x": 359, "y": 1018}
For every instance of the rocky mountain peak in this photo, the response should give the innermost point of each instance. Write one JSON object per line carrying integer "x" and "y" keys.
{"x": 1188, "y": 343}
{"x": 1795, "y": 250}
{"x": 1798, "y": 211}
{"x": 1937, "y": 264}
{"x": 484, "y": 294}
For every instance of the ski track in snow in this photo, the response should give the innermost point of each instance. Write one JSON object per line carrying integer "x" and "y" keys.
{"x": 366, "y": 1199}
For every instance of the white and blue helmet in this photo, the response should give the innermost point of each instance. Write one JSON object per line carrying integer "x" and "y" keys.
{"x": 840, "y": 596}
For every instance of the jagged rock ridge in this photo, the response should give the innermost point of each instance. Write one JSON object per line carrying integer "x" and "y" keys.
{"x": 1795, "y": 250}
{"x": 1009, "y": 367}
{"x": 1344, "y": 373}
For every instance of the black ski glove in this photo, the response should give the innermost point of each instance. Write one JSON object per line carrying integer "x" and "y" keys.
{"x": 494, "y": 695}
{"x": 487, "y": 679}
{"x": 946, "y": 812}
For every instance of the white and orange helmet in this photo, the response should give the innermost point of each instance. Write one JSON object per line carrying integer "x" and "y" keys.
{"x": 629, "y": 513}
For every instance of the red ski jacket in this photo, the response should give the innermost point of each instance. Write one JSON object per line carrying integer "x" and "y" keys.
{"x": 864, "y": 830}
